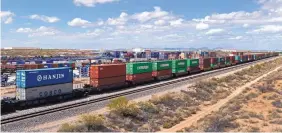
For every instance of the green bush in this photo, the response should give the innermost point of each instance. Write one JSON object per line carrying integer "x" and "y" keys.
{"x": 67, "y": 128}
{"x": 148, "y": 107}
{"x": 123, "y": 107}
{"x": 92, "y": 122}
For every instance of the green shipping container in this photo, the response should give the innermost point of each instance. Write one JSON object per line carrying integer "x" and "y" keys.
{"x": 179, "y": 64}
{"x": 179, "y": 70}
{"x": 192, "y": 62}
{"x": 138, "y": 67}
{"x": 162, "y": 65}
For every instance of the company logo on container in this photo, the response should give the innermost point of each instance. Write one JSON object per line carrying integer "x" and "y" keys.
{"x": 181, "y": 63}
{"x": 194, "y": 62}
{"x": 143, "y": 67}
{"x": 164, "y": 65}
{"x": 49, "y": 77}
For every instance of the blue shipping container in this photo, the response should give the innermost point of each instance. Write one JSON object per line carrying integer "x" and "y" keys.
{"x": 42, "y": 77}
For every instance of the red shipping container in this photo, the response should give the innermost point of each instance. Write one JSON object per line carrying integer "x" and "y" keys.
{"x": 205, "y": 63}
{"x": 55, "y": 65}
{"x": 138, "y": 78}
{"x": 30, "y": 66}
{"x": 107, "y": 81}
{"x": 214, "y": 61}
{"x": 73, "y": 65}
{"x": 193, "y": 69}
{"x": 40, "y": 66}
{"x": 232, "y": 60}
{"x": 162, "y": 73}
{"x": 107, "y": 70}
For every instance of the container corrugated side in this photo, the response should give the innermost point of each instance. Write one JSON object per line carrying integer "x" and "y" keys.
{"x": 139, "y": 67}
{"x": 192, "y": 62}
{"x": 162, "y": 65}
{"x": 42, "y": 77}
{"x": 43, "y": 91}
{"x": 107, "y": 70}
{"x": 179, "y": 64}
{"x": 179, "y": 70}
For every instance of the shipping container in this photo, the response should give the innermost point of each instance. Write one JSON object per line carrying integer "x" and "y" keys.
{"x": 43, "y": 91}
{"x": 40, "y": 66}
{"x": 238, "y": 59}
{"x": 214, "y": 63}
{"x": 55, "y": 65}
{"x": 179, "y": 70}
{"x": 192, "y": 62}
{"x": 107, "y": 70}
{"x": 162, "y": 65}
{"x": 194, "y": 69}
{"x": 162, "y": 74}
{"x": 48, "y": 65}
{"x": 30, "y": 66}
{"x": 227, "y": 61}
{"x": 42, "y": 77}
{"x": 139, "y": 78}
{"x": 139, "y": 67}
{"x": 107, "y": 81}
{"x": 221, "y": 61}
{"x": 232, "y": 60}
{"x": 179, "y": 64}
{"x": 205, "y": 63}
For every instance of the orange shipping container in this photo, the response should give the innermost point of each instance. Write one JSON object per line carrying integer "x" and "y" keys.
{"x": 162, "y": 73}
{"x": 107, "y": 70}
{"x": 55, "y": 65}
{"x": 40, "y": 66}
{"x": 107, "y": 81}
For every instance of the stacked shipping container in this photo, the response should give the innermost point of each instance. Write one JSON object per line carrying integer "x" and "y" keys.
{"x": 40, "y": 83}
{"x": 193, "y": 65}
{"x": 214, "y": 63}
{"x": 107, "y": 75}
{"x": 139, "y": 72}
{"x": 162, "y": 69}
{"x": 205, "y": 63}
{"x": 179, "y": 67}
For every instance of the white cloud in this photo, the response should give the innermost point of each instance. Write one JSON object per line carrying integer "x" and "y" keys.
{"x": 159, "y": 22}
{"x": 269, "y": 29}
{"x": 78, "y": 22}
{"x": 121, "y": 20}
{"x": 246, "y": 25}
{"x": 146, "y": 16}
{"x": 44, "y": 18}
{"x": 24, "y": 30}
{"x": 236, "y": 38}
{"x": 6, "y": 17}
{"x": 41, "y": 31}
{"x": 176, "y": 22}
{"x": 214, "y": 31}
{"x": 91, "y": 3}
{"x": 202, "y": 26}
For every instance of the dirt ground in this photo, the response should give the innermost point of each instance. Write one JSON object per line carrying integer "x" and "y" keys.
{"x": 255, "y": 111}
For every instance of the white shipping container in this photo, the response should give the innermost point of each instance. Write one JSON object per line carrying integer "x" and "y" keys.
{"x": 14, "y": 63}
{"x": 32, "y": 62}
{"x": 26, "y": 63}
{"x": 44, "y": 62}
{"x": 43, "y": 91}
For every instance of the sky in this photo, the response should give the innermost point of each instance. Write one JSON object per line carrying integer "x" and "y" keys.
{"x": 111, "y": 24}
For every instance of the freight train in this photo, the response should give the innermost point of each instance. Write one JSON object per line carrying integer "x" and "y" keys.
{"x": 40, "y": 86}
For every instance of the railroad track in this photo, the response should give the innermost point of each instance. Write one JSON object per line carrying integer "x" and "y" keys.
{"x": 143, "y": 88}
